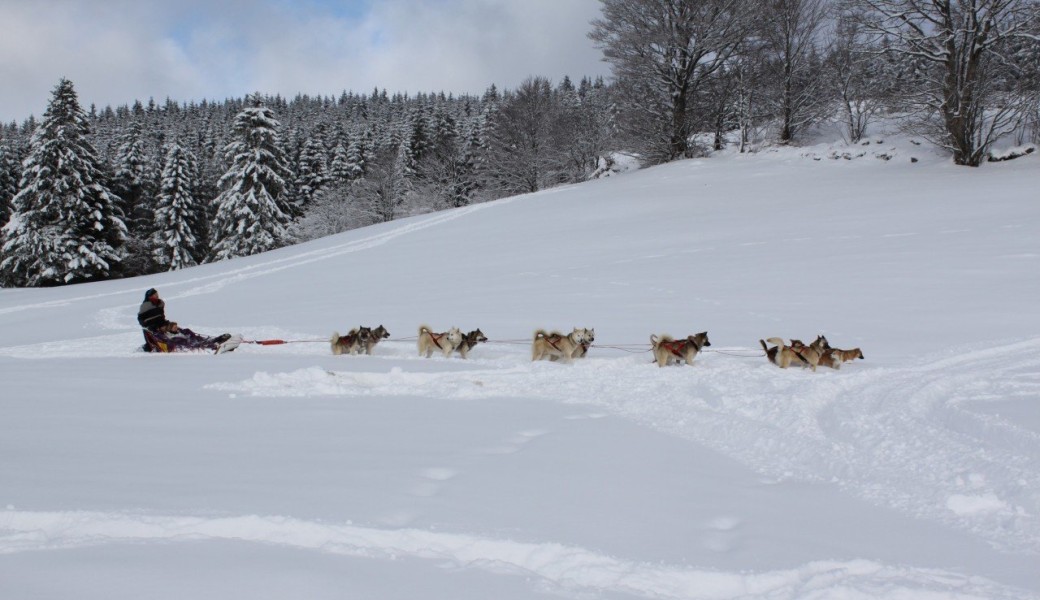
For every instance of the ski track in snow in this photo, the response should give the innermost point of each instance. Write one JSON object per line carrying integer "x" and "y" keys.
{"x": 905, "y": 438}
{"x": 566, "y": 568}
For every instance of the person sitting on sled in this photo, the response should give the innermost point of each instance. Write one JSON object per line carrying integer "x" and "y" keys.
{"x": 162, "y": 335}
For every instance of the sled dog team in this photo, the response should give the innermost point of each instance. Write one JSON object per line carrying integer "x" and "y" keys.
{"x": 556, "y": 346}
{"x": 364, "y": 339}
{"x": 817, "y": 354}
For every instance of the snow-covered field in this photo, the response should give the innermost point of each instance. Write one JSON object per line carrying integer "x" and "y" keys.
{"x": 286, "y": 472}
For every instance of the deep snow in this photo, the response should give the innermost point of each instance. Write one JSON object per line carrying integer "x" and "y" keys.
{"x": 286, "y": 472}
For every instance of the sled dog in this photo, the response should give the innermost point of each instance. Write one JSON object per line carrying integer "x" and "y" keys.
{"x": 556, "y": 346}
{"x": 378, "y": 334}
{"x": 470, "y": 340}
{"x": 835, "y": 357}
{"x": 668, "y": 351}
{"x": 830, "y": 358}
{"x": 781, "y": 354}
{"x": 352, "y": 343}
{"x": 583, "y": 348}
{"x": 811, "y": 354}
{"x": 847, "y": 355}
{"x": 446, "y": 341}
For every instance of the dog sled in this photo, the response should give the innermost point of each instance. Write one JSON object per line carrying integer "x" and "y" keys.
{"x": 186, "y": 340}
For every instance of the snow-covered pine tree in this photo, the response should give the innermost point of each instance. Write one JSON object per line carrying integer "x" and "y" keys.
{"x": 465, "y": 178}
{"x": 357, "y": 161}
{"x": 177, "y": 212}
{"x": 133, "y": 182}
{"x": 416, "y": 141}
{"x": 66, "y": 226}
{"x": 312, "y": 174}
{"x": 9, "y": 170}
{"x": 249, "y": 218}
{"x": 338, "y": 172}
{"x": 448, "y": 172}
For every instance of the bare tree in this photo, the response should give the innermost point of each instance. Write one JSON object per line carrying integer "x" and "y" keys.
{"x": 384, "y": 194}
{"x": 523, "y": 139}
{"x": 585, "y": 128}
{"x": 854, "y": 72}
{"x": 959, "y": 98}
{"x": 790, "y": 30}
{"x": 335, "y": 209}
{"x": 661, "y": 51}
{"x": 750, "y": 108}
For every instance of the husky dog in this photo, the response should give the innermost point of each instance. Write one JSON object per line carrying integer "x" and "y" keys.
{"x": 847, "y": 355}
{"x": 446, "y": 341}
{"x": 835, "y": 357}
{"x": 781, "y": 354}
{"x": 556, "y": 346}
{"x": 812, "y": 353}
{"x": 378, "y": 334}
{"x": 583, "y": 348}
{"x": 352, "y": 343}
{"x": 470, "y": 340}
{"x": 830, "y": 358}
{"x": 668, "y": 351}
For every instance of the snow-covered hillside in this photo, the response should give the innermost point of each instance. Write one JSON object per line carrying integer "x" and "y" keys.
{"x": 286, "y": 472}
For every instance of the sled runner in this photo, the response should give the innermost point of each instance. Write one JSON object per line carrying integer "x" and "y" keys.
{"x": 229, "y": 344}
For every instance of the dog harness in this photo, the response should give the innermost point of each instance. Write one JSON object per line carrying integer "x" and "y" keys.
{"x": 675, "y": 346}
{"x": 436, "y": 337}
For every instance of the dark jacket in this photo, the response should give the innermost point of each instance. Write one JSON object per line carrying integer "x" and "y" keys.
{"x": 152, "y": 316}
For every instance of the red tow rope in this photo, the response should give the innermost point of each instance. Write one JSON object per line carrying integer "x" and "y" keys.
{"x": 278, "y": 342}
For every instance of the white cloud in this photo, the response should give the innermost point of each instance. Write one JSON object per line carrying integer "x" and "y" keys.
{"x": 117, "y": 51}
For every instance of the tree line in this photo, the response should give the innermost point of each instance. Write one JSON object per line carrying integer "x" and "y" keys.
{"x": 960, "y": 73}
{"x": 98, "y": 194}
{"x": 165, "y": 186}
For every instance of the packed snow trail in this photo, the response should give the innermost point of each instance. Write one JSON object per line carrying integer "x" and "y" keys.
{"x": 567, "y": 568}
{"x": 899, "y": 437}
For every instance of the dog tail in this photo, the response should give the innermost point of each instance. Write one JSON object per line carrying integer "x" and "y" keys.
{"x": 654, "y": 340}
{"x": 775, "y": 341}
{"x": 764, "y": 346}
{"x": 335, "y": 336}
{"x": 424, "y": 329}
{"x": 540, "y": 333}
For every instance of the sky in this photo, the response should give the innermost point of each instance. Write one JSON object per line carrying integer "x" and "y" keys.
{"x": 118, "y": 51}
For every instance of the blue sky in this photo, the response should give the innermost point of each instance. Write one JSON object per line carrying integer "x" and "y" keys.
{"x": 116, "y": 51}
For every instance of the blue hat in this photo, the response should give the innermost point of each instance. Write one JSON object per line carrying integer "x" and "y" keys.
{"x": 151, "y": 292}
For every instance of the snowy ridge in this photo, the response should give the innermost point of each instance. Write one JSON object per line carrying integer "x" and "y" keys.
{"x": 567, "y": 568}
